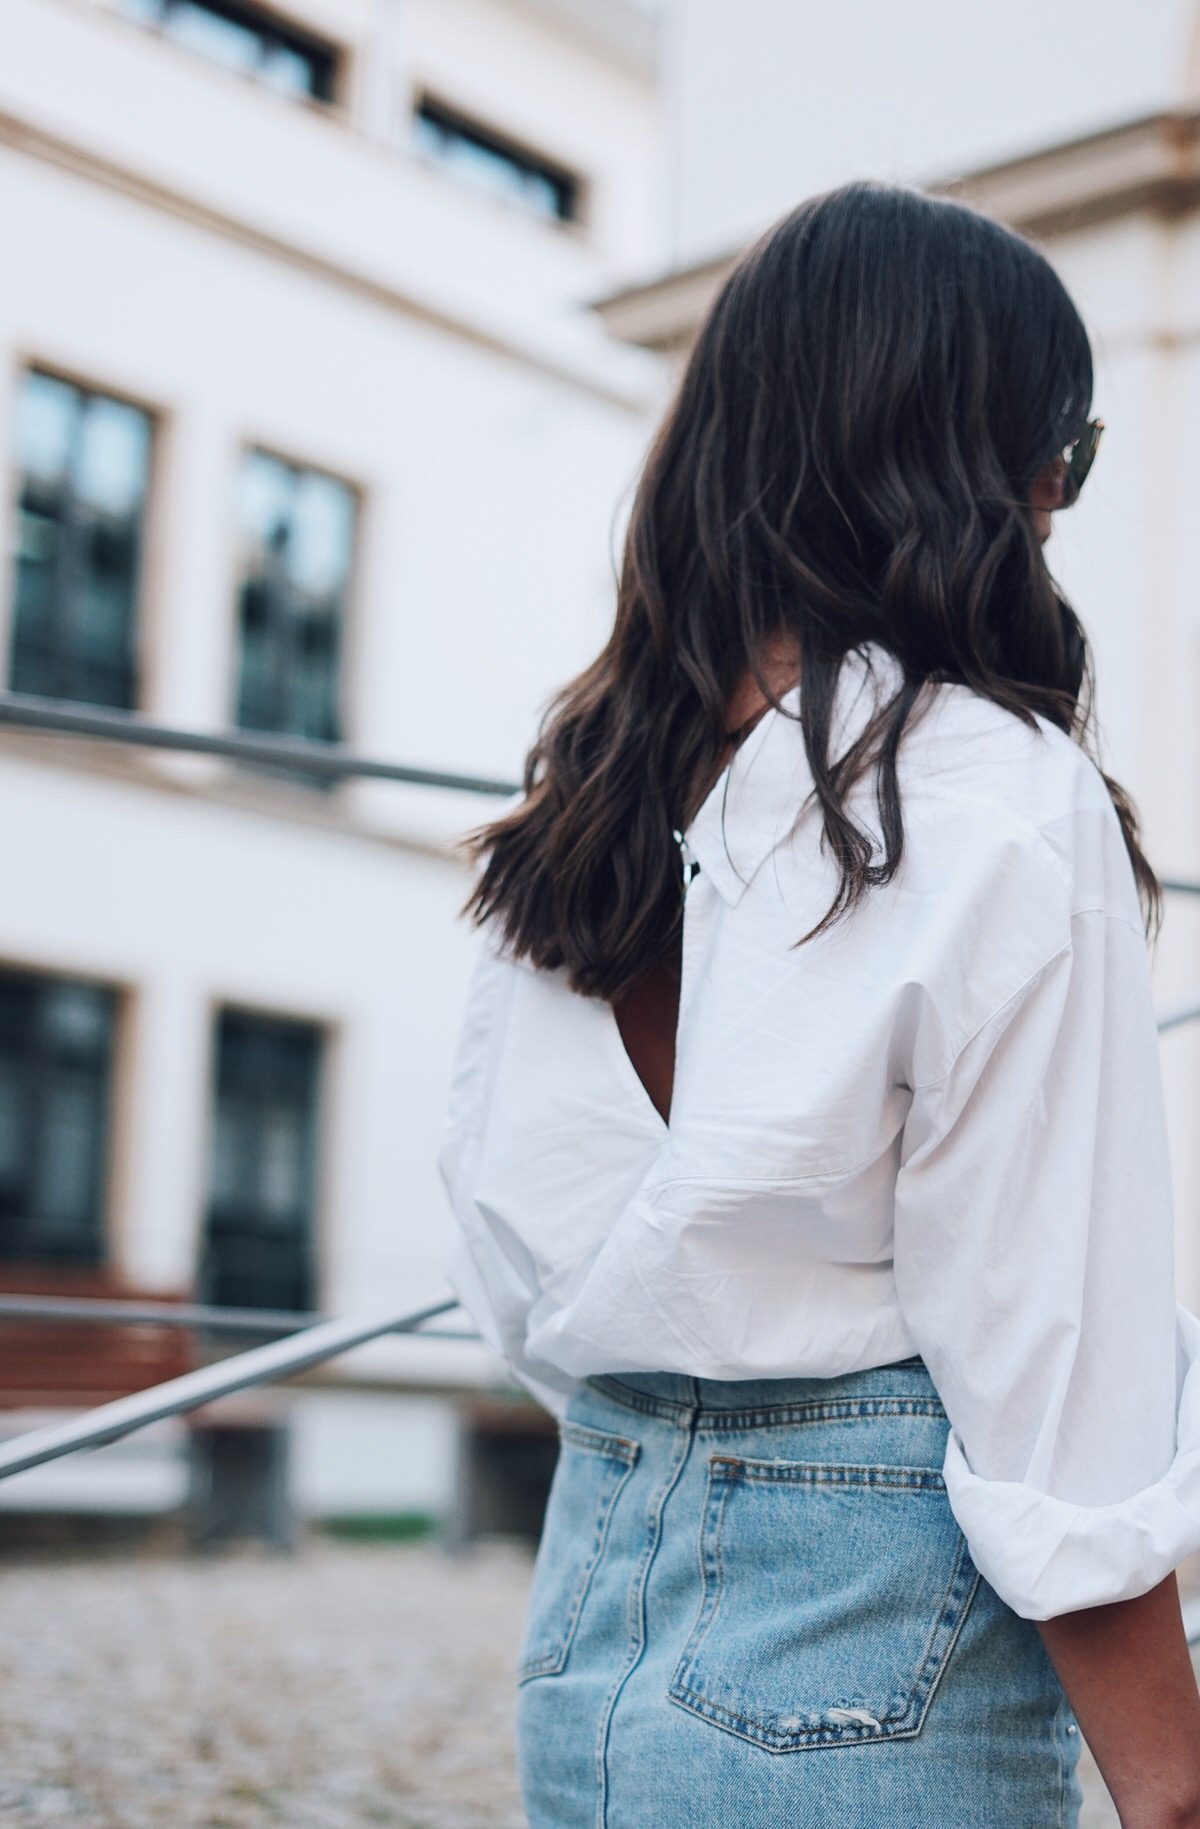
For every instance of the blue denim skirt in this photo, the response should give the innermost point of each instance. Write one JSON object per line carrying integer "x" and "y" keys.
{"x": 752, "y": 1606}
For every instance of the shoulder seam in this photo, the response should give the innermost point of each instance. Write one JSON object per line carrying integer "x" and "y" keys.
{"x": 1066, "y": 947}
{"x": 1110, "y": 914}
{"x": 939, "y": 1079}
{"x": 1026, "y": 827}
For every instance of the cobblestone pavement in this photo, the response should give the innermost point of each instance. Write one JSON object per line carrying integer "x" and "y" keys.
{"x": 349, "y": 1688}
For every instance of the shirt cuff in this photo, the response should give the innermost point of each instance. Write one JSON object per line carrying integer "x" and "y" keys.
{"x": 1045, "y": 1556}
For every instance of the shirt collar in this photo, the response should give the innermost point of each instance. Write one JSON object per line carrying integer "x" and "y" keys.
{"x": 755, "y": 801}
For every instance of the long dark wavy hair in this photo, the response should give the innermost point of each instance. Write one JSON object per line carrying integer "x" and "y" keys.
{"x": 848, "y": 457}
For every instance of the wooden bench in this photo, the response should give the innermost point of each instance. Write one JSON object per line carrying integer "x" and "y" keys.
{"x": 76, "y": 1365}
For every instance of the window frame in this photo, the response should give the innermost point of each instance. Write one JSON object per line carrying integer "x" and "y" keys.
{"x": 250, "y": 444}
{"x": 329, "y": 1028}
{"x": 23, "y": 361}
{"x": 110, "y": 1168}
{"x": 426, "y": 101}
{"x": 304, "y": 38}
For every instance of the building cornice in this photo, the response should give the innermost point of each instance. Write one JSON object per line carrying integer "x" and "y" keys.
{"x": 1151, "y": 164}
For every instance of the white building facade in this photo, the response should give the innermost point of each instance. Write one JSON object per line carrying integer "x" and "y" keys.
{"x": 313, "y": 428}
{"x": 311, "y": 432}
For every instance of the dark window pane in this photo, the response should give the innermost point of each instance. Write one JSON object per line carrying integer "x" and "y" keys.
{"x": 83, "y": 462}
{"x": 56, "y": 1038}
{"x": 48, "y": 412}
{"x": 75, "y": 1019}
{"x": 244, "y": 38}
{"x": 113, "y": 458}
{"x": 204, "y": 29}
{"x": 493, "y": 163}
{"x": 63, "y": 1182}
{"x": 291, "y": 72}
{"x": 298, "y": 533}
{"x": 258, "y": 1249}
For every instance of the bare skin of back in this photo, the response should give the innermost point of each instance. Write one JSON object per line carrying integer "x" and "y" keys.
{"x": 647, "y": 1014}
{"x": 1126, "y": 1666}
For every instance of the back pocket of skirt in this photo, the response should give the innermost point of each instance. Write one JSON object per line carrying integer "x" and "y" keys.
{"x": 832, "y": 1597}
{"x": 592, "y": 1468}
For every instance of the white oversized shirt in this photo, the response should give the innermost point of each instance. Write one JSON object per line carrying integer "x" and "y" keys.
{"x": 938, "y": 1128}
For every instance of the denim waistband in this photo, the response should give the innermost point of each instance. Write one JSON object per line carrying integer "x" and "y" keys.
{"x": 668, "y": 1393}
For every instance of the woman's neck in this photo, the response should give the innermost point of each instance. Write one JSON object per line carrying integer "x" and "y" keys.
{"x": 746, "y": 704}
{"x": 781, "y": 669}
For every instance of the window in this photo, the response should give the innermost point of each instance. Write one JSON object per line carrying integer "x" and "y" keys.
{"x": 246, "y": 39}
{"x": 494, "y": 163}
{"x": 298, "y": 529}
{"x": 56, "y": 1044}
{"x": 83, "y": 462}
{"x": 259, "y": 1231}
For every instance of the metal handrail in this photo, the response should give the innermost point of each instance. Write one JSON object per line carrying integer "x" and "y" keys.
{"x": 1186, "y": 1010}
{"x": 205, "y": 1316}
{"x": 261, "y": 1365}
{"x": 26, "y": 711}
{"x": 1190, "y": 1608}
{"x": 29, "y": 711}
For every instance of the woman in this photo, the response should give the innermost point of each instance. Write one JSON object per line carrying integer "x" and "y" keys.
{"x": 807, "y": 1132}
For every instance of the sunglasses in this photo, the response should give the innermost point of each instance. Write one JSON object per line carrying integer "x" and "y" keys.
{"x": 1079, "y": 458}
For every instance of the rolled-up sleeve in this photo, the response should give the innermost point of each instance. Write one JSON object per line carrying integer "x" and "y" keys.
{"x": 1034, "y": 1265}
